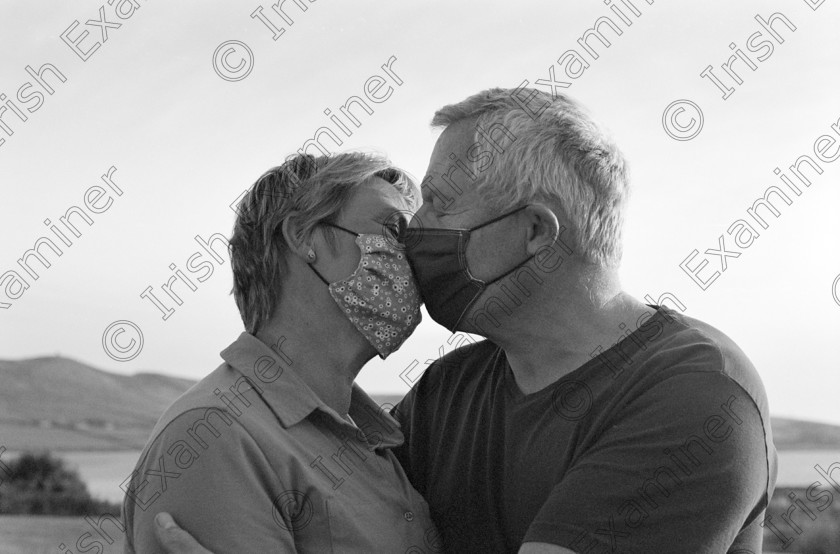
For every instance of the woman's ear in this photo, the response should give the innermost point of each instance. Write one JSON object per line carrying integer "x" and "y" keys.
{"x": 298, "y": 242}
{"x": 544, "y": 228}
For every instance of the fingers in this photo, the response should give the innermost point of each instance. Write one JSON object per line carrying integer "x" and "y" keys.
{"x": 175, "y": 540}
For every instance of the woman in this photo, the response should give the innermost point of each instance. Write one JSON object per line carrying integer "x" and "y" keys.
{"x": 277, "y": 450}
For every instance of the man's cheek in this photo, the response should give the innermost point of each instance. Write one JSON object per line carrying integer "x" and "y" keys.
{"x": 483, "y": 257}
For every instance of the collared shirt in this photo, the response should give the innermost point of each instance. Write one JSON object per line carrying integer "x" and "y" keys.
{"x": 251, "y": 460}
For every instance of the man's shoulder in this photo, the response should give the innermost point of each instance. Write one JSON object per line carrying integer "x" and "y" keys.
{"x": 696, "y": 345}
{"x": 690, "y": 349}
{"x": 704, "y": 333}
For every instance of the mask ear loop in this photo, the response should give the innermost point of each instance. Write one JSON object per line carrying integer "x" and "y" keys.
{"x": 321, "y": 277}
{"x": 342, "y": 228}
{"x": 312, "y": 267}
{"x": 486, "y": 284}
{"x": 495, "y": 219}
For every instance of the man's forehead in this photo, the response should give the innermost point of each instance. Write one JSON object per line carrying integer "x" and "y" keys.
{"x": 448, "y": 164}
{"x": 455, "y": 139}
{"x": 452, "y": 144}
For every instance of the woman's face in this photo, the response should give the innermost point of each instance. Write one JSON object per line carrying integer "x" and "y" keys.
{"x": 376, "y": 207}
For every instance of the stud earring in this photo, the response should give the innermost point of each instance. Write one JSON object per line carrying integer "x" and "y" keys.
{"x": 311, "y": 254}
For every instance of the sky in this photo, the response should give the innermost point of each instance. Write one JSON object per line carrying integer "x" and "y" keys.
{"x": 182, "y": 105}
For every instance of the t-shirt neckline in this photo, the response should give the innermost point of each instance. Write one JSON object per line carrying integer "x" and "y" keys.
{"x": 629, "y": 345}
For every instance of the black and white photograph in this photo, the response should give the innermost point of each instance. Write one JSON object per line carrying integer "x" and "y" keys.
{"x": 419, "y": 277}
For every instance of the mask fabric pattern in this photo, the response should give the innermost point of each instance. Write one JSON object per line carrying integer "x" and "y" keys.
{"x": 380, "y": 298}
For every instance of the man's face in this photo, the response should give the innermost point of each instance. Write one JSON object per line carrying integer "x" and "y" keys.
{"x": 451, "y": 201}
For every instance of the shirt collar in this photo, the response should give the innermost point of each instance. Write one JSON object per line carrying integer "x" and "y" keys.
{"x": 292, "y": 400}
{"x": 379, "y": 428}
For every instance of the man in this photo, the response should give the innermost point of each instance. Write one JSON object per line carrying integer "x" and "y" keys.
{"x": 588, "y": 421}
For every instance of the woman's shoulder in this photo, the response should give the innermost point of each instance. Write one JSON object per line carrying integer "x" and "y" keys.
{"x": 222, "y": 402}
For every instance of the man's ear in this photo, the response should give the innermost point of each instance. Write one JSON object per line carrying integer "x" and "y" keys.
{"x": 543, "y": 227}
{"x": 299, "y": 243}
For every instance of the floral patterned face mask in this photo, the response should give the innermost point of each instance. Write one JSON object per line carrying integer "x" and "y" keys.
{"x": 380, "y": 298}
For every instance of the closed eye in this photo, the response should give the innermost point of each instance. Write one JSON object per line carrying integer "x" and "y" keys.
{"x": 393, "y": 228}
{"x": 393, "y": 231}
{"x": 402, "y": 227}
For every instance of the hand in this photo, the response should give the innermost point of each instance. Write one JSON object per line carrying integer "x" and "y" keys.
{"x": 175, "y": 540}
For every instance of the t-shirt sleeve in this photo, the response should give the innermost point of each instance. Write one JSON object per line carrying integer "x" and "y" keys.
{"x": 683, "y": 469}
{"x": 210, "y": 474}
{"x": 403, "y": 413}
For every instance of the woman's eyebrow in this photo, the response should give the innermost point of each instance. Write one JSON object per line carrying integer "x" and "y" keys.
{"x": 386, "y": 214}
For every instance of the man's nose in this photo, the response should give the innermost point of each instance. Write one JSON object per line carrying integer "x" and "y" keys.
{"x": 413, "y": 233}
{"x": 418, "y": 222}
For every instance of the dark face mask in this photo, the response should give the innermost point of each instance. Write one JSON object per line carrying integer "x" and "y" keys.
{"x": 439, "y": 260}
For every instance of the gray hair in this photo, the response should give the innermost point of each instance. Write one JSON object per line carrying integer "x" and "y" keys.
{"x": 309, "y": 189}
{"x": 558, "y": 155}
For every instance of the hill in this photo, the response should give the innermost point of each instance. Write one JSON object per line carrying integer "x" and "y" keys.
{"x": 796, "y": 434}
{"x": 61, "y": 404}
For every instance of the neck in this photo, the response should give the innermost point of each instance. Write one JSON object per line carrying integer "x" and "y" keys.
{"x": 564, "y": 325}
{"x": 325, "y": 349}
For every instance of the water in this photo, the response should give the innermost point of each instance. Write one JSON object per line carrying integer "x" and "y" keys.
{"x": 103, "y": 472}
{"x": 796, "y": 467}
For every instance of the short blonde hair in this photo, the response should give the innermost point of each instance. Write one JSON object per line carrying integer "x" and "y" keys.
{"x": 310, "y": 189}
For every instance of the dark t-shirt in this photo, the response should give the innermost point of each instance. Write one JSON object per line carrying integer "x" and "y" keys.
{"x": 661, "y": 443}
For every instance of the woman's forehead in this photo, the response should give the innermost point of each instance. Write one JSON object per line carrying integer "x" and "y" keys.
{"x": 376, "y": 198}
